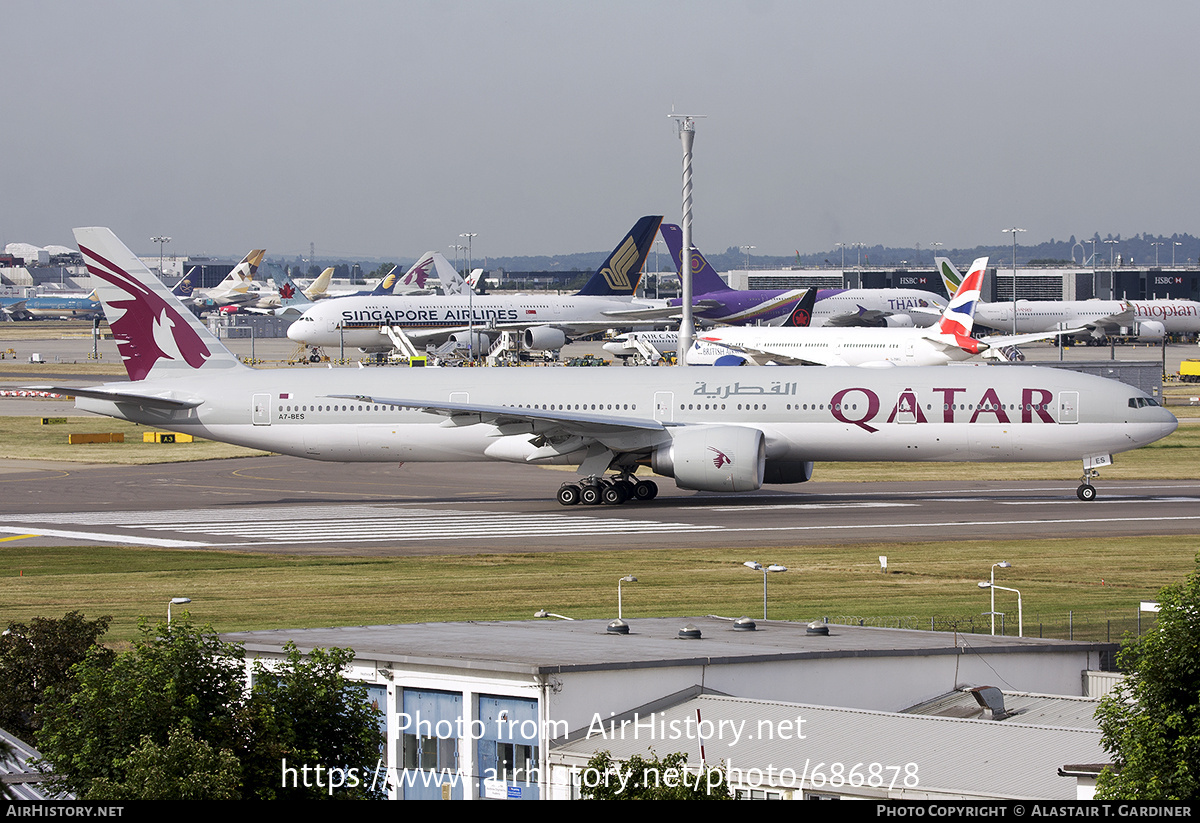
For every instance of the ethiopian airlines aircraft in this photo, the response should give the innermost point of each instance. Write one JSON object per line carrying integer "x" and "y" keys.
{"x": 719, "y": 430}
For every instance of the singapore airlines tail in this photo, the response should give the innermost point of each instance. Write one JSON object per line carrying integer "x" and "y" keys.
{"x": 622, "y": 270}
{"x": 154, "y": 332}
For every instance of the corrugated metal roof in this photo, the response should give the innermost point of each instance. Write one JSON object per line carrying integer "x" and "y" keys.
{"x": 24, "y": 782}
{"x": 1023, "y": 707}
{"x": 942, "y": 757}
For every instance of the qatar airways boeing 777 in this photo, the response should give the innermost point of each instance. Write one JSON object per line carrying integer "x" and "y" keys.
{"x": 720, "y": 430}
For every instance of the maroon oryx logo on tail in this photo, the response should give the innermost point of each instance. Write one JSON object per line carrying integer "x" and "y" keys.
{"x": 149, "y": 329}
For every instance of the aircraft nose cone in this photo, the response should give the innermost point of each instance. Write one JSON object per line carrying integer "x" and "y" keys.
{"x": 295, "y": 333}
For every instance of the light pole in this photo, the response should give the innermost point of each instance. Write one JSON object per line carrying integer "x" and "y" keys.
{"x": 983, "y": 584}
{"x": 470, "y": 299}
{"x": 1014, "y": 289}
{"x": 175, "y": 601}
{"x": 629, "y": 578}
{"x": 747, "y": 250}
{"x": 1003, "y": 564}
{"x": 1174, "y": 243}
{"x": 1156, "y": 245}
{"x": 758, "y": 567}
{"x": 160, "y": 240}
{"x": 842, "y": 246}
{"x": 933, "y": 247}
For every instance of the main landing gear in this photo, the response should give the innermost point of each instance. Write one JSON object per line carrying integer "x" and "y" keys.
{"x": 592, "y": 491}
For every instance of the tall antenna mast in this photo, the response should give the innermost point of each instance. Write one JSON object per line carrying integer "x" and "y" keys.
{"x": 687, "y": 326}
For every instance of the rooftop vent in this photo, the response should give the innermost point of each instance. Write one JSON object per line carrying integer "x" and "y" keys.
{"x": 618, "y": 626}
{"x": 689, "y": 632}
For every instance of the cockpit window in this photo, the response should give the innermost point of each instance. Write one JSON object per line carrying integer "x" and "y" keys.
{"x": 1142, "y": 402}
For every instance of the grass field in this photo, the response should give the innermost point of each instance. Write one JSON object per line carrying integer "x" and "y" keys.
{"x": 1094, "y": 581}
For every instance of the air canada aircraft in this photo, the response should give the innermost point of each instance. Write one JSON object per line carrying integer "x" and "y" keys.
{"x": 717, "y": 430}
{"x": 547, "y": 320}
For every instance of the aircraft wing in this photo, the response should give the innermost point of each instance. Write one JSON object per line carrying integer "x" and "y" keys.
{"x": 862, "y": 317}
{"x": 149, "y": 401}
{"x": 996, "y": 340}
{"x": 661, "y": 312}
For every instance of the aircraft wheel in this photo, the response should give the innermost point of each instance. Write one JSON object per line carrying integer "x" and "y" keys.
{"x": 589, "y": 495}
{"x": 614, "y": 495}
{"x": 1086, "y": 492}
{"x": 645, "y": 490}
{"x": 569, "y": 494}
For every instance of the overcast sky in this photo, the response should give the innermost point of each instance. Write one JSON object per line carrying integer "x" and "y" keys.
{"x": 389, "y": 128}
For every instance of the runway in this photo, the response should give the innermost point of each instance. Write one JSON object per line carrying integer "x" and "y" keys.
{"x": 287, "y": 505}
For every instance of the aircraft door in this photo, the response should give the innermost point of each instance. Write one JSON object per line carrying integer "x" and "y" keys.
{"x": 1068, "y": 407}
{"x": 261, "y": 410}
{"x": 664, "y": 405}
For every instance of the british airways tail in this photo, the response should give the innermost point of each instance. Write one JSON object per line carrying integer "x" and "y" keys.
{"x": 705, "y": 279}
{"x": 155, "y": 334}
{"x": 620, "y": 273}
{"x": 959, "y": 316}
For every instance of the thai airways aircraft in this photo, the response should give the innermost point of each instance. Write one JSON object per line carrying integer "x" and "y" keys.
{"x": 1146, "y": 319}
{"x": 712, "y": 430}
{"x": 948, "y": 342}
{"x": 717, "y": 302}
{"x": 605, "y": 300}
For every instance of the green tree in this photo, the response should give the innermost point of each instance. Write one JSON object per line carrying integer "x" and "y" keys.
{"x": 1151, "y": 722}
{"x": 302, "y": 712}
{"x": 173, "y": 718}
{"x": 37, "y": 656}
{"x": 174, "y": 675}
{"x": 184, "y": 769}
{"x": 653, "y": 778}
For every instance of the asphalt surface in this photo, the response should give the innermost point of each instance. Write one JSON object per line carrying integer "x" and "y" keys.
{"x": 289, "y": 505}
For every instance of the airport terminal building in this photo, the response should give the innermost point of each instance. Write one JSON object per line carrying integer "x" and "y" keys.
{"x": 514, "y": 710}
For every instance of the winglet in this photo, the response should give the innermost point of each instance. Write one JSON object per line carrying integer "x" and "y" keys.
{"x": 154, "y": 331}
{"x": 621, "y": 271}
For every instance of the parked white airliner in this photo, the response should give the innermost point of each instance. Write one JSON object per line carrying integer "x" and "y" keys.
{"x": 712, "y": 430}
{"x": 1145, "y": 319}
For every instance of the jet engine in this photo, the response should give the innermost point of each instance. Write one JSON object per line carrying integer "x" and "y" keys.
{"x": 462, "y": 340}
{"x": 543, "y": 338}
{"x": 788, "y": 471}
{"x": 713, "y": 458}
{"x": 898, "y": 321}
{"x": 1151, "y": 330}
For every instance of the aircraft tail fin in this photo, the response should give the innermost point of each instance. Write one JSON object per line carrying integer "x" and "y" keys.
{"x": 705, "y": 279}
{"x": 801, "y": 314}
{"x": 622, "y": 270}
{"x": 959, "y": 316}
{"x": 414, "y": 279}
{"x": 452, "y": 282}
{"x": 154, "y": 332}
{"x": 317, "y": 288}
{"x": 951, "y": 277}
{"x": 387, "y": 282}
{"x": 186, "y": 285}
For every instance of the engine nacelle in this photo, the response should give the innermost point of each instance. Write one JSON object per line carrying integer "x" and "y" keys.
{"x": 1151, "y": 330}
{"x": 713, "y": 458}
{"x": 788, "y": 471}
{"x": 462, "y": 340}
{"x": 898, "y": 321}
{"x": 543, "y": 338}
